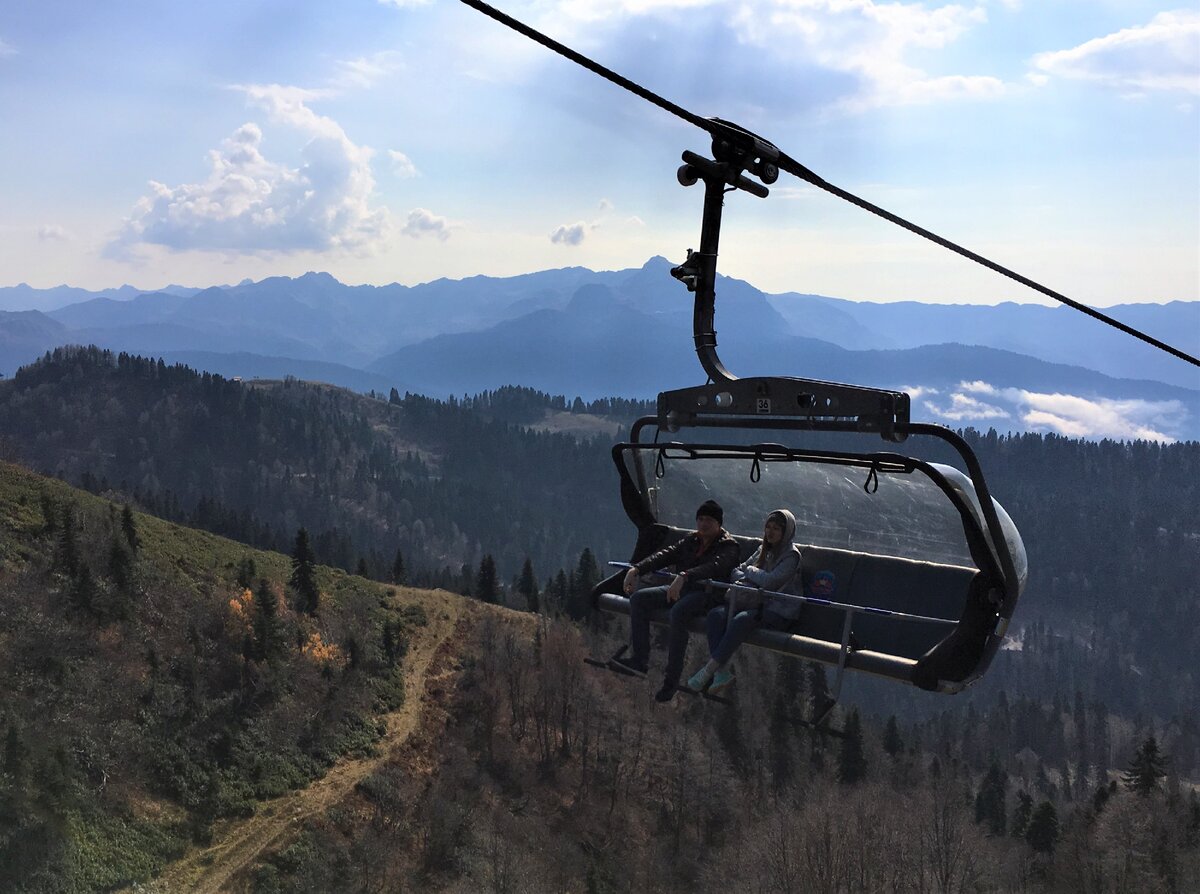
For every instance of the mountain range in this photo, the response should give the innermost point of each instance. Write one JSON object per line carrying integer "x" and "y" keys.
{"x": 628, "y": 333}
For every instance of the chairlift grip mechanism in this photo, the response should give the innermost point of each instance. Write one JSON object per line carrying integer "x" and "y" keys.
{"x": 735, "y": 151}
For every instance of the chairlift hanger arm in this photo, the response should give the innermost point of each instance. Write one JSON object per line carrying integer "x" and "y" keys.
{"x": 755, "y": 146}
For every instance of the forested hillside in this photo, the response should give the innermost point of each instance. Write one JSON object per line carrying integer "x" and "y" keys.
{"x": 552, "y": 776}
{"x": 442, "y": 482}
{"x": 155, "y": 680}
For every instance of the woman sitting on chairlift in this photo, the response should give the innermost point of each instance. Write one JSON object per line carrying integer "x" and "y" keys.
{"x": 775, "y": 565}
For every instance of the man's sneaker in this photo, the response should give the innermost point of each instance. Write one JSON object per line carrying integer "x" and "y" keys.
{"x": 699, "y": 679}
{"x": 667, "y": 692}
{"x": 628, "y": 666}
{"x": 721, "y": 679}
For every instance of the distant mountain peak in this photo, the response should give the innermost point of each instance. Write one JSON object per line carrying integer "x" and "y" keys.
{"x": 591, "y": 297}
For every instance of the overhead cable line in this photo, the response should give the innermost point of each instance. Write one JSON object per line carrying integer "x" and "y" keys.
{"x": 722, "y": 130}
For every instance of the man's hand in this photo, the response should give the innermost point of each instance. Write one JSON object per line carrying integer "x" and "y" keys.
{"x": 676, "y": 589}
{"x": 631, "y": 581}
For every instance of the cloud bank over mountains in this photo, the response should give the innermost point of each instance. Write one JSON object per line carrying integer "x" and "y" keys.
{"x": 982, "y": 404}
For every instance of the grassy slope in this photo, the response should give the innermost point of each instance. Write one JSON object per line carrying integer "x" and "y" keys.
{"x": 132, "y": 723}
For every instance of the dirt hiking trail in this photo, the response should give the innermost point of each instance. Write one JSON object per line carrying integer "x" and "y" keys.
{"x": 239, "y": 842}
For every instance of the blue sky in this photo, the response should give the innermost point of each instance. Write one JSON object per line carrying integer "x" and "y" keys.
{"x": 152, "y": 143}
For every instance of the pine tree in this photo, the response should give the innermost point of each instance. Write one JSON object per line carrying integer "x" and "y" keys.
{"x": 990, "y": 804}
{"x": 1021, "y": 814}
{"x": 83, "y": 589}
{"x": 246, "y": 572}
{"x": 395, "y": 645}
{"x": 1146, "y": 768}
{"x": 265, "y": 623}
{"x": 852, "y": 762}
{"x": 893, "y": 744}
{"x": 1042, "y": 834}
{"x": 303, "y": 580}
{"x": 486, "y": 587}
{"x": 586, "y": 576}
{"x": 361, "y": 569}
{"x": 129, "y": 529}
{"x": 399, "y": 573}
{"x": 68, "y": 545}
{"x": 557, "y": 593}
{"x": 120, "y": 570}
{"x": 527, "y": 586}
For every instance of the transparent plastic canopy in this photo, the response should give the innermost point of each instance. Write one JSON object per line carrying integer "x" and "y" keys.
{"x": 885, "y": 511}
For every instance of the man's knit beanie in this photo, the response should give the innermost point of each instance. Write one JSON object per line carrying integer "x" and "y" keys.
{"x": 712, "y": 509}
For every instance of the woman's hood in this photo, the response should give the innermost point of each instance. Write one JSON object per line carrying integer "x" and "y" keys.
{"x": 789, "y": 527}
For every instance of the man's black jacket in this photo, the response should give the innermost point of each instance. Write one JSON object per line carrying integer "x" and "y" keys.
{"x": 689, "y": 554}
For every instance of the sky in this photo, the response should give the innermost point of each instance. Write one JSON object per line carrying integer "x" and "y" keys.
{"x": 152, "y": 143}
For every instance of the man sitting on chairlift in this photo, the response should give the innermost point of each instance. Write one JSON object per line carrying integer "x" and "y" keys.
{"x": 710, "y": 552}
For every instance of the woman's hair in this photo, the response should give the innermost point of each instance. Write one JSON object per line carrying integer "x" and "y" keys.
{"x": 765, "y": 553}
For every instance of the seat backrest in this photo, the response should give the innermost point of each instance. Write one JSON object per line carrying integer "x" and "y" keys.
{"x": 886, "y": 582}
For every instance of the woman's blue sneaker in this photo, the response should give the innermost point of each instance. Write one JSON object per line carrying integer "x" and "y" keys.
{"x": 699, "y": 679}
{"x": 722, "y": 679}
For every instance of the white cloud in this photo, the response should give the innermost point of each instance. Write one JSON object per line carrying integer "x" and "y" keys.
{"x": 423, "y": 223}
{"x": 403, "y": 4}
{"x": 872, "y": 41}
{"x": 402, "y": 165}
{"x": 53, "y": 233}
{"x": 366, "y": 71}
{"x": 1077, "y": 416}
{"x": 603, "y": 10}
{"x": 978, "y": 387}
{"x": 575, "y": 233}
{"x": 853, "y": 54}
{"x": 964, "y": 408}
{"x": 250, "y": 204}
{"x": 1064, "y": 414}
{"x": 1162, "y": 55}
{"x": 570, "y": 234}
{"x": 7, "y": 49}
{"x": 916, "y": 392}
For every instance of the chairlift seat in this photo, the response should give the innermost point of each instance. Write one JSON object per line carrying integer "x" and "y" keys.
{"x": 885, "y": 646}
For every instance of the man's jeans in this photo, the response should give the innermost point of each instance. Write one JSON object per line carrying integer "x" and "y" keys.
{"x": 644, "y": 603}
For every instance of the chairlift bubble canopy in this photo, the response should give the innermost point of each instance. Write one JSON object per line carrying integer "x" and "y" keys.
{"x": 925, "y": 583}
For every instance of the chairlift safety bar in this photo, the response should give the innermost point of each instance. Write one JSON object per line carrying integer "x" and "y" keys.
{"x": 814, "y": 600}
